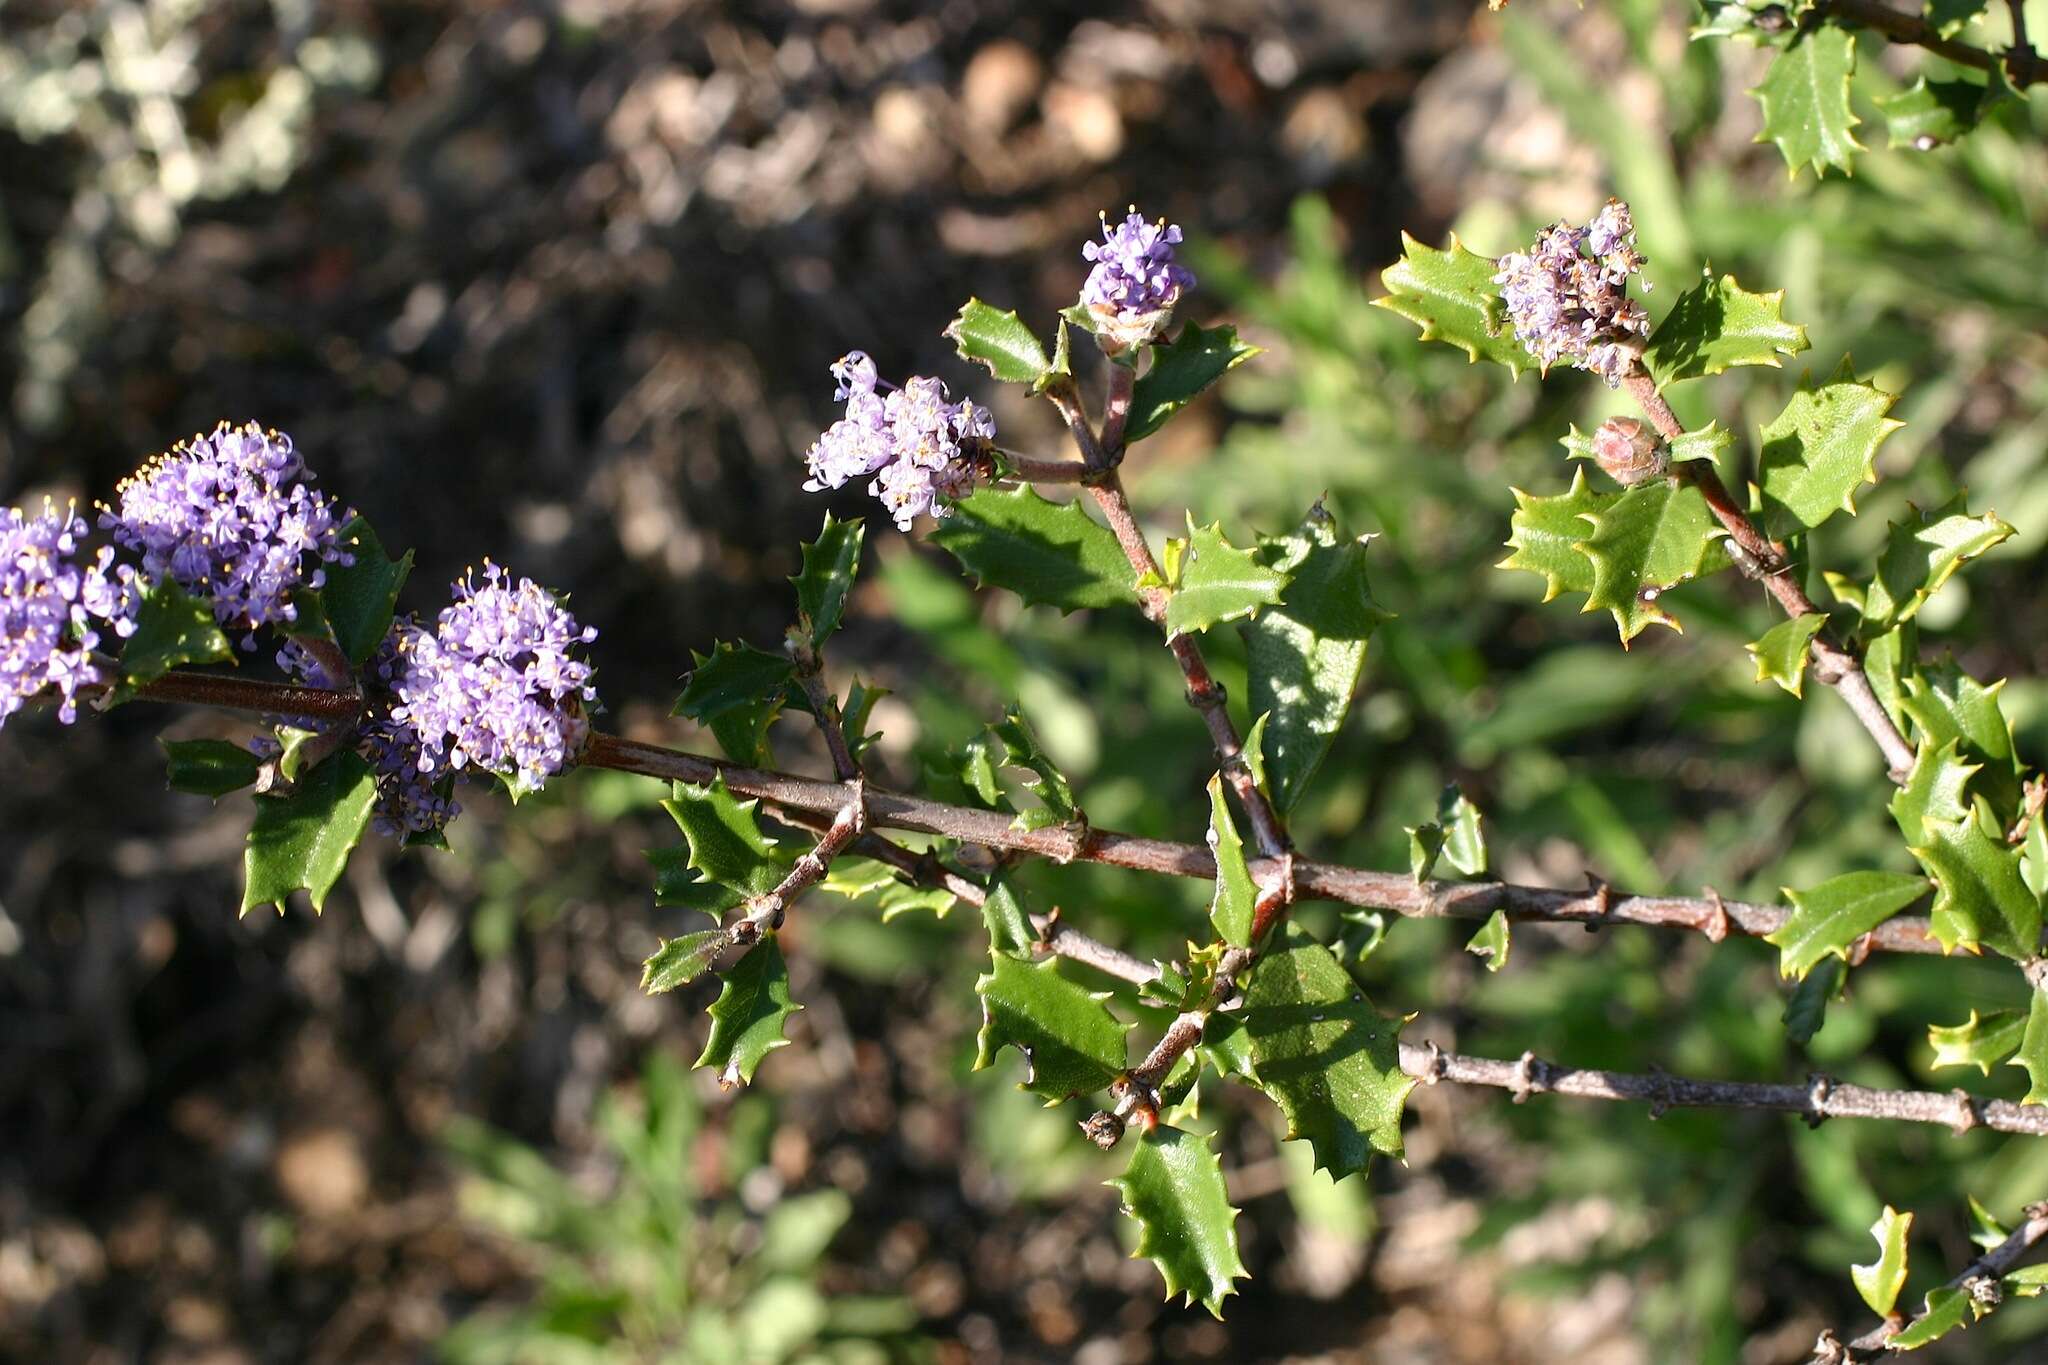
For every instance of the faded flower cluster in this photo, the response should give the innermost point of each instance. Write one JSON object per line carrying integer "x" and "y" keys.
{"x": 919, "y": 448}
{"x": 52, "y": 605}
{"x": 1135, "y": 282}
{"x": 230, "y": 519}
{"x": 1567, "y": 296}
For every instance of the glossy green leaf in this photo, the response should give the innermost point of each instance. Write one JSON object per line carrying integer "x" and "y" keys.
{"x": 1805, "y": 100}
{"x": 1072, "y": 1044}
{"x": 301, "y": 840}
{"x": 210, "y": 767}
{"x": 1324, "y": 1055}
{"x": 1492, "y": 941}
{"x": 359, "y": 598}
{"x": 1001, "y": 341}
{"x": 1830, "y": 917}
{"x": 171, "y": 631}
{"x": 1181, "y": 369}
{"x": 1425, "y": 846}
{"x": 732, "y": 859}
{"x": 680, "y": 960}
{"x": 1010, "y": 743}
{"x": 1921, "y": 553}
{"x": 2028, "y": 1282}
{"x": 1009, "y": 927}
{"x": 1880, "y": 1282}
{"x": 1230, "y": 909}
{"x": 1451, "y": 295}
{"x": 1820, "y": 450}
{"x": 1982, "y": 1042}
{"x": 2032, "y": 1056}
{"x": 1930, "y": 113}
{"x": 1464, "y": 831}
{"x": 1985, "y": 1229}
{"x": 1947, "y": 706}
{"x": 1715, "y": 326}
{"x": 737, "y": 691}
{"x": 749, "y": 1015}
{"x": 1651, "y": 538}
{"x": 877, "y": 884}
{"x": 1933, "y": 793}
{"x": 1546, "y": 533}
{"x": 1049, "y": 553}
{"x": 1942, "y": 1312}
{"x": 1980, "y": 898}
{"x": 830, "y": 563}
{"x": 1174, "y": 1188}
{"x": 1782, "y": 651}
{"x": 1217, "y": 582}
{"x": 1806, "y": 1007}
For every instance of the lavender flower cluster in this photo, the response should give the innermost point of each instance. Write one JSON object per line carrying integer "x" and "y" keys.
{"x": 230, "y": 518}
{"x": 1136, "y": 281}
{"x": 49, "y": 603}
{"x": 919, "y": 447}
{"x": 1568, "y": 295}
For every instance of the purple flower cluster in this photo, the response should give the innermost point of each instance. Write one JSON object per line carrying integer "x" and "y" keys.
{"x": 49, "y": 602}
{"x": 1568, "y": 295}
{"x": 1136, "y": 281}
{"x": 230, "y": 519}
{"x": 919, "y": 447}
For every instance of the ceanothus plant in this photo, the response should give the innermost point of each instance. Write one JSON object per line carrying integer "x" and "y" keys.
{"x": 382, "y": 715}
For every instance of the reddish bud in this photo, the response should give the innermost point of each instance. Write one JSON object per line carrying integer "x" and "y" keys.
{"x": 1629, "y": 451}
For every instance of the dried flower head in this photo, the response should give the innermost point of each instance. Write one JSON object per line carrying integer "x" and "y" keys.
{"x": 1136, "y": 280}
{"x": 1567, "y": 296}
{"x": 921, "y": 449}
{"x": 50, "y": 600}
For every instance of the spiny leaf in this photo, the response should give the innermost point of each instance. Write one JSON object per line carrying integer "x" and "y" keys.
{"x": 1880, "y": 1282}
{"x": 1820, "y": 450}
{"x": 1304, "y": 656}
{"x": 1325, "y": 1056}
{"x": 1546, "y": 532}
{"x": 1492, "y": 941}
{"x": 1072, "y": 1044}
{"x": 1000, "y": 340}
{"x": 1230, "y": 910}
{"x": 1830, "y": 917}
{"x": 877, "y": 884}
{"x": 1425, "y": 846}
{"x": 1942, "y": 1312}
{"x": 1946, "y": 704}
{"x": 830, "y": 563}
{"x": 1651, "y": 538}
{"x": 737, "y": 691}
{"x": 1011, "y": 743}
{"x": 1979, "y": 1042}
{"x": 680, "y": 960}
{"x": 1048, "y": 553}
{"x": 301, "y": 841}
{"x": 1715, "y": 326}
{"x": 732, "y": 857}
{"x": 1921, "y": 553}
{"x": 749, "y": 1015}
{"x": 2032, "y": 1056}
{"x": 1174, "y": 1188}
{"x": 1450, "y": 294}
{"x": 1805, "y": 99}
{"x": 359, "y": 599}
{"x": 1980, "y": 899}
{"x": 210, "y": 767}
{"x": 1781, "y": 651}
{"x": 1196, "y": 358}
{"x": 1930, "y": 113}
{"x": 1464, "y": 831}
{"x": 1217, "y": 582}
{"x": 171, "y": 630}
{"x": 1705, "y": 444}
{"x": 1933, "y": 793}
{"x": 1009, "y": 927}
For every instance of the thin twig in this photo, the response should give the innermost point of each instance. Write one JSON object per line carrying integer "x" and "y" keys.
{"x": 810, "y": 675}
{"x": 765, "y": 912}
{"x": 1029, "y": 469}
{"x": 1116, "y": 408}
{"x": 2020, "y": 62}
{"x": 1989, "y": 1266}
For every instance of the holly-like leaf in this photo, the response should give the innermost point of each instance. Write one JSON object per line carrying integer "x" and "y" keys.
{"x": 749, "y": 1015}
{"x": 1072, "y": 1044}
{"x": 1933, "y": 793}
{"x": 1982, "y": 1042}
{"x": 1820, "y": 450}
{"x": 210, "y": 767}
{"x": 1705, "y": 444}
{"x": 1651, "y": 538}
{"x": 1806, "y": 1007}
{"x": 1930, "y": 113}
{"x": 1425, "y": 846}
{"x": 1980, "y": 899}
{"x": 1942, "y": 1312}
{"x": 731, "y": 857}
{"x": 1781, "y": 651}
{"x": 1946, "y": 704}
{"x": 1230, "y": 910}
{"x": 1715, "y": 326}
{"x": 359, "y": 598}
{"x": 1464, "y": 831}
{"x": 1325, "y": 1056}
{"x": 1451, "y": 295}
{"x": 1009, "y": 927}
{"x": 172, "y": 629}
{"x": 737, "y": 691}
{"x": 1546, "y": 532}
{"x": 1805, "y": 99}
{"x": 1880, "y": 1282}
{"x": 1001, "y": 341}
{"x": 1304, "y": 656}
{"x": 681, "y": 960}
{"x": 1830, "y": 917}
{"x": 1010, "y": 743}
{"x": 877, "y": 884}
{"x": 1217, "y": 582}
{"x": 830, "y": 563}
{"x": 1196, "y": 358}
{"x": 1921, "y": 553}
{"x": 301, "y": 840}
{"x": 1173, "y": 1187}
{"x": 2032, "y": 1056}
{"x": 1492, "y": 941}
{"x": 1049, "y": 553}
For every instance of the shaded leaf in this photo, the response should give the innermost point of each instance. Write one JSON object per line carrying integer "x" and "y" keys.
{"x": 1830, "y": 917}
{"x": 1980, "y": 898}
{"x": 1880, "y": 1282}
{"x": 301, "y": 840}
{"x": 1492, "y": 941}
{"x": 1464, "y": 832}
{"x": 999, "y": 340}
{"x": 680, "y": 960}
{"x": 1009, "y": 927}
{"x": 1174, "y": 1188}
{"x": 1980, "y": 1042}
{"x": 732, "y": 858}
{"x": 830, "y": 563}
{"x": 2032, "y": 1056}
{"x": 1072, "y": 1044}
{"x": 1425, "y": 846}
{"x": 1196, "y": 358}
{"x": 1947, "y": 705}
{"x": 1805, "y": 100}
{"x": 1651, "y": 538}
{"x": 1451, "y": 295}
{"x": 1781, "y": 651}
{"x": 1010, "y": 743}
{"x": 1820, "y": 450}
{"x": 1933, "y": 793}
{"x": 1230, "y": 909}
{"x": 1806, "y": 1008}
{"x": 359, "y": 599}
{"x": 1921, "y": 553}
{"x": 1715, "y": 326}
{"x": 749, "y": 1015}
{"x": 210, "y": 767}
{"x": 737, "y": 691}
{"x": 1217, "y": 582}
{"x": 1049, "y": 553}
{"x": 1929, "y": 113}
{"x": 171, "y": 631}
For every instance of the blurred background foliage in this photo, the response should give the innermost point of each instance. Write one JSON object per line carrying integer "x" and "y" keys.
{"x": 560, "y": 284}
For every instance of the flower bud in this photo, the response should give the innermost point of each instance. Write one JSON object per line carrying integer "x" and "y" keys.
{"x": 1629, "y": 451}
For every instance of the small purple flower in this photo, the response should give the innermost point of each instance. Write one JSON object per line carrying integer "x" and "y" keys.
{"x": 49, "y": 602}
{"x": 1567, "y": 296}
{"x": 920, "y": 448}
{"x": 231, "y": 518}
{"x": 1136, "y": 281}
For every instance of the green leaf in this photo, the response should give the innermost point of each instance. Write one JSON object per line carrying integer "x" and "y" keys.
{"x": 1805, "y": 99}
{"x": 1707, "y": 443}
{"x": 1933, "y": 793}
{"x": 1781, "y": 651}
{"x": 301, "y": 840}
{"x": 360, "y": 598}
{"x": 1546, "y": 532}
{"x": 1921, "y": 553}
{"x": 210, "y": 767}
{"x": 1425, "y": 846}
{"x": 737, "y": 690}
{"x": 1001, "y": 341}
{"x": 1806, "y": 1008}
{"x": 879, "y": 885}
{"x": 1305, "y": 655}
{"x": 1186, "y": 1226}
{"x": 1492, "y": 941}
{"x": 171, "y": 630}
{"x": 749, "y": 1015}
{"x": 1325, "y": 1056}
{"x": 1947, "y": 705}
{"x": 1009, "y": 927}
{"x": 1464, "y": 835}
{"x": 1979, "y": 895}
{"x": 1830, "y": 917}
{"x": 1820, "y": 450}
{"x": 727, "y": 850}
{"x": 1049, "y": 553}
{"x": 1196, "y": 358}
{"x": 830, "y": 563}
{"x": 1236, "y": 893}
{"x": 2032, "y": 1056}
{"x": 1062, "y": 358}
{"x": 1715, "y": 326}
{"x": 1951, "y": 17}
{"x": 1985, "y": 1229}
{"x": 1930, "y": 113}
{"x": 681, "y": 960}
{"x": 293, "y": 742}
{"x": 1450, "y": 294}
{"x": 1072, "y": 1044}
{"x": 1979, "y": 1042}
{"x": 1880, "y": 1282}
{"x": 1651, "y": 538}
{"x": 1020, "y": 749}
{"x": 1217, "y": 582}
{"x": 1943, "y": 1312}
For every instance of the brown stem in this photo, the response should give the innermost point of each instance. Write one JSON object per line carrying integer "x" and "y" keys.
{"x": 810, "y": 675}
{"x": 1063, "y": 395}
{"x": 765, "y": 911}
{"x": 1028, "y": 469}
{"x": 2020, "y": 62}
{"x": 1116, "y": 409}
{"x": 249, "y": 694}
{"x": 1989, "y": 1266}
